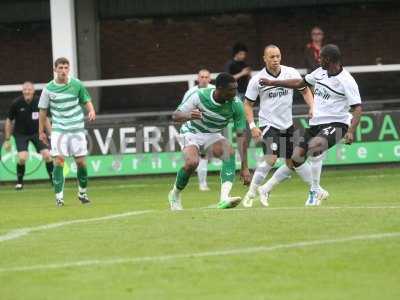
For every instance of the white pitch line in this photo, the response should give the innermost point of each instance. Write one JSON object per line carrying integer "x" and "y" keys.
{"x": 20, "y": 232}
{"x": 319, "y": 207}
{"x": 17, "y": 233}
{"x": 214, "y": 206}
{"x": 237, "y": 251}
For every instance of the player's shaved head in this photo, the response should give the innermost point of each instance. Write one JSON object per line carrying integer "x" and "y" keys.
{"x": 272, "y": 57}
{"x": 332, "y": 53}
{"x": 270, "y": 46}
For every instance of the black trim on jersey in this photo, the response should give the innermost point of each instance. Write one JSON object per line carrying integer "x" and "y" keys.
{"x": 251, "y": 100}
{"x": 355, "y": 105}
{"x": 273, "y": 74}
{"x": 340, "y": 94}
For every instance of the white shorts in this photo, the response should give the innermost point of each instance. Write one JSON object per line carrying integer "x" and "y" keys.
{"x": 201, "y": 140}
{"x": 68, "y": 144}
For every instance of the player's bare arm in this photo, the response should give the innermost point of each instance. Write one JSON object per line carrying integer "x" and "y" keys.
{"x": 48, "y": 126}
{"x": 181, "y": 117}
{"x": 7, "y": 134}
{"x": 91, "y": 111}
{"x": 255, "y": 131}
{"x": 309, "y": 100}
{"x": 242, "y": 147}
{"x": 288, "y": 83}
{"x": 42, "y": 126}
{"x": 356, "y": 111}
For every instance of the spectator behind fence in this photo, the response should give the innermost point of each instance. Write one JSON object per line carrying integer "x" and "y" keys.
{"x": 238, "y": 67}
{"x": 313, "y": 49}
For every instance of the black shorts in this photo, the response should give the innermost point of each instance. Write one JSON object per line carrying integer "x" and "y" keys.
{"x": 22, "y": 142}
{"x": 332, "y": 132}
{"x": 278, "y": 142}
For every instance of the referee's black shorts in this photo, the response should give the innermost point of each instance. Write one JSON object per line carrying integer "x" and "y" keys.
{"x": 22, "y": 142}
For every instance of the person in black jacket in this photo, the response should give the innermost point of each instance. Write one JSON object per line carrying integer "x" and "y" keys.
{"x": 238, "y": 67}
{"x": 24, "y": 112}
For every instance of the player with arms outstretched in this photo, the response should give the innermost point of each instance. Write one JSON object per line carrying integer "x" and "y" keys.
{"x": 65, "y": 96}
{"x": 205, "y": 114}
{"x": 335, "y": 94}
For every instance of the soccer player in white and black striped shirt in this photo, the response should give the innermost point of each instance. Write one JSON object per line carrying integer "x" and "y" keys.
{"x": 336, "y": 93}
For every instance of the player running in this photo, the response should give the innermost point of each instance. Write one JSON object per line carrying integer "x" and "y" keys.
{"x": 205, "y": 114}
{"x": 336, "y": 93}
{"x": 65, "y": 96}
{"x": 275, "y": 120}
{"x": 203, "y": 79}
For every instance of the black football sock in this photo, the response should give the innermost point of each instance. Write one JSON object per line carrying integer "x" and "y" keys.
{"x": 49, "y": 168}
{"x": 20, "y": 173}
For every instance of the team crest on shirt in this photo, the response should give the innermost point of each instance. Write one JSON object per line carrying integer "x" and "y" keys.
{"x": 52, "y": 96}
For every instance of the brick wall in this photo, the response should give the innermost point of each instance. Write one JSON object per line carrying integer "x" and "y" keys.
{"x": 25, "y": 54}
{"x": 180, "y": 45}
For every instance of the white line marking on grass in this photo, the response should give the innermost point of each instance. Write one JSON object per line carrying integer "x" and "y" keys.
{"x": 322, "y": 207}
{"x": 237, "y": 251}
{"x": 17, "y": 233}
{"x": 20, "y": 232}
{"x": 214, "y": 206}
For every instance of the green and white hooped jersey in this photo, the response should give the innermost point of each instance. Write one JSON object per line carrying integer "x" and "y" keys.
{"x": 216, "y": 116}
{"x": 65, "y": 102}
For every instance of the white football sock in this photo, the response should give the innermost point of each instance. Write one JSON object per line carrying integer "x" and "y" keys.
{"x": 82, "y": 190}
{"x": 60, "y": 195}
{"x": 259, "y": 175}
{"x": 176, "y": 191}
{"x": 279, "y": 176}
{"x": 226, "y": 190}
{"x": 316, "y": 169}
{"x": 304, "y": 172}
{"x": 202, "y": 171}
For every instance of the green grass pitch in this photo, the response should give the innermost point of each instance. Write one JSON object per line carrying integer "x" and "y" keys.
{"x": 128, "y": 245}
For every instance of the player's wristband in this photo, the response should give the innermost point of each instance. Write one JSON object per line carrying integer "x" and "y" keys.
{"x": 252, "y": 125}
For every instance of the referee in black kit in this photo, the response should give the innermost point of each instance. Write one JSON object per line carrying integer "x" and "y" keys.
{"x": 24, "y": 112}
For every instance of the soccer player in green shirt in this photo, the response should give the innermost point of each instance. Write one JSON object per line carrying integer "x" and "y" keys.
{"x": 205, "y": 113}
{"x": 65, "y": 96}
